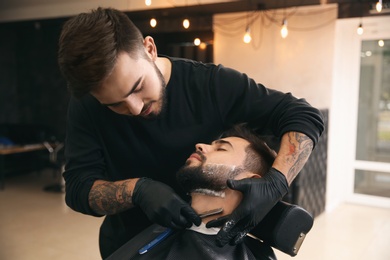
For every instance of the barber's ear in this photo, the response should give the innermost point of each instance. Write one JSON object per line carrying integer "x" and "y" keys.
{"x": 150, "y": 48}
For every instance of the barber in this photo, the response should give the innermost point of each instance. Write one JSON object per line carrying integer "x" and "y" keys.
{"x": 134, "y": 115}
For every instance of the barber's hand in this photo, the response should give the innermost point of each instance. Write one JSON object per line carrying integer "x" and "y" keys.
{"x": 162, "y": 205}
{"x": 260, "y": 195}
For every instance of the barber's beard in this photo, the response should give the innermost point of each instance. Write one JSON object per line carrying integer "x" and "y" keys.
{"x": 211, "y": 177}
{"x": 160, "y": 104}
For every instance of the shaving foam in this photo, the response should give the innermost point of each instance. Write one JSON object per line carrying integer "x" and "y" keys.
{"x": 211, "y": 192}
{"x": 218, "y": 168}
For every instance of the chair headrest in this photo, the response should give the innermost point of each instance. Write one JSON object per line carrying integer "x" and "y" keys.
{"x": 284, "y": 227}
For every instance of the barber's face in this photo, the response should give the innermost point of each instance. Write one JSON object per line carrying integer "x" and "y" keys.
{"x": 210, "y": 166}
{"x": 135, "y": 88}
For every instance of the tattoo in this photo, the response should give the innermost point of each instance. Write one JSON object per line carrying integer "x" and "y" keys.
{"x": 108, "y": 198}
{"x": 300, "y": 148}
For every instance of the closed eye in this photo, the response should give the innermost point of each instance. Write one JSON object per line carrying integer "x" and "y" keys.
{"x": 139, "y": 88}
{"x": 222, "y": 145}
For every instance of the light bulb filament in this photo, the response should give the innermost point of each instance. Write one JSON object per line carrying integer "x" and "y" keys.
{"x": 360, "y": 29}
{"x": 153, "y": 22}
{"x": 379, "y": 6}
{"x": 186, "y": 23}
{"x": 247, "y": 35}
{"x": 284, "y": 30}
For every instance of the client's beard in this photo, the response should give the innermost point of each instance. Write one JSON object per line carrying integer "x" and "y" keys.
{"x": 211, "y": 177}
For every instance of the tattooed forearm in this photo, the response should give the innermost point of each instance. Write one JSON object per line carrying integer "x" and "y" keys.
{"x": 303, "y": 147}
{"x": 108, "y": 198}
{"x": 294, "y": 151}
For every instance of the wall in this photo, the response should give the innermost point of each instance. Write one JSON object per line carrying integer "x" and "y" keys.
{"x": 32, "y": 90}
{"x": 301, "y": 63}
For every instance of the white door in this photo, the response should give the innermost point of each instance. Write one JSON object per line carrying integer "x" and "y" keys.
{"x": 359, "y": 120}
{"x": 372, "y": 157}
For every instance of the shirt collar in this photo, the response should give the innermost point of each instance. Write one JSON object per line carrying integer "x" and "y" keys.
{"x": 204, "y": 230}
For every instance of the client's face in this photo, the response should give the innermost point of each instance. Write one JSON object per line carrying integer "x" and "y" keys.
{"x": 210, "y": 166}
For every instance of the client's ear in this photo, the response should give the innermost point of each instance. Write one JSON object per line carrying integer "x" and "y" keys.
{"x": 247, "y": 175}
{"x": 254, "y": 175}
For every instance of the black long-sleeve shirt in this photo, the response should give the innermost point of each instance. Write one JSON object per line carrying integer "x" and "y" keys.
{"x": 202, "y": 101}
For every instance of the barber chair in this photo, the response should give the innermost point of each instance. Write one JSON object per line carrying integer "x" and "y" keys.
{"x": 56, "y": 163}
{"x": 284, "y": 228}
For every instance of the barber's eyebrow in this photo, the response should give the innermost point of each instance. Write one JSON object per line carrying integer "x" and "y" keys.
{"x": 126, "y": 95}
{"x": 220, "y": 141}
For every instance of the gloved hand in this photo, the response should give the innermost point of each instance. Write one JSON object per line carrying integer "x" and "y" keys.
{"x": 260, "y": 195}
{"x": 162, "y": 205}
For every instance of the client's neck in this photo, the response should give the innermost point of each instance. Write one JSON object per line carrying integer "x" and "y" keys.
{"x": 202, "y": 202}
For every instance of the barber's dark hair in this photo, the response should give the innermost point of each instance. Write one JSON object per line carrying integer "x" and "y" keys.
{"x": 89, "y": 45}
{"x": 259, "y": 157}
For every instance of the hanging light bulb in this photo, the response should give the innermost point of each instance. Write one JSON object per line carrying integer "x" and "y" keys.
{"x": 381, "y": 43}
{"x": 360, "y": 29}
{"x": 284, "y": 30}
{"x": 379, "y": 6}
{"x": 153, "y": 22}
{"x": 186, "y": 23}
{"x": 148, "y": 2}
{"x": 197, "y": 42}
{"x": 247, "y": 35}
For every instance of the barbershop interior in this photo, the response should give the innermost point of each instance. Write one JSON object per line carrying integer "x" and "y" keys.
{"x": 333, "y": 53}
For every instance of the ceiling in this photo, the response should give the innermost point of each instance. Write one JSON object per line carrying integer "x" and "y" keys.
{"x": 17, "y": 10}
{"x": 222, "y": 7}
{"x": 348, "y": 8}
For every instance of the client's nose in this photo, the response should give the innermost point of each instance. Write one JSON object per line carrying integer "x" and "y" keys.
{"x": 201, "y": 147}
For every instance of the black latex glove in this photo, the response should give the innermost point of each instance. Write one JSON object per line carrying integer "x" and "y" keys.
{"x": 162, "y": 205}
{"x": 260, "y": 195}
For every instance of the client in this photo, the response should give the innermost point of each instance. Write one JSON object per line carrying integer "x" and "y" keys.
{"x": 239, "y": 154}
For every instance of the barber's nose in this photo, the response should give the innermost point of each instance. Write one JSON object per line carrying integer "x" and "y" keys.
{"x": 203, "y": 148}
{"x": 134, "y": 105}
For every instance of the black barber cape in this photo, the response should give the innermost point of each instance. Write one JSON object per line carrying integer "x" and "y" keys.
{"x": 189, "y": 244}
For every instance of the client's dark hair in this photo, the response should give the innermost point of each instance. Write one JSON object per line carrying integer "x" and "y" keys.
{"x": 259, "y": 157}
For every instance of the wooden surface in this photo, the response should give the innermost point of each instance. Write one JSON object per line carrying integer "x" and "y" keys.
{"x": 52, "y": 149}
{"x": 21, "y": 148}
